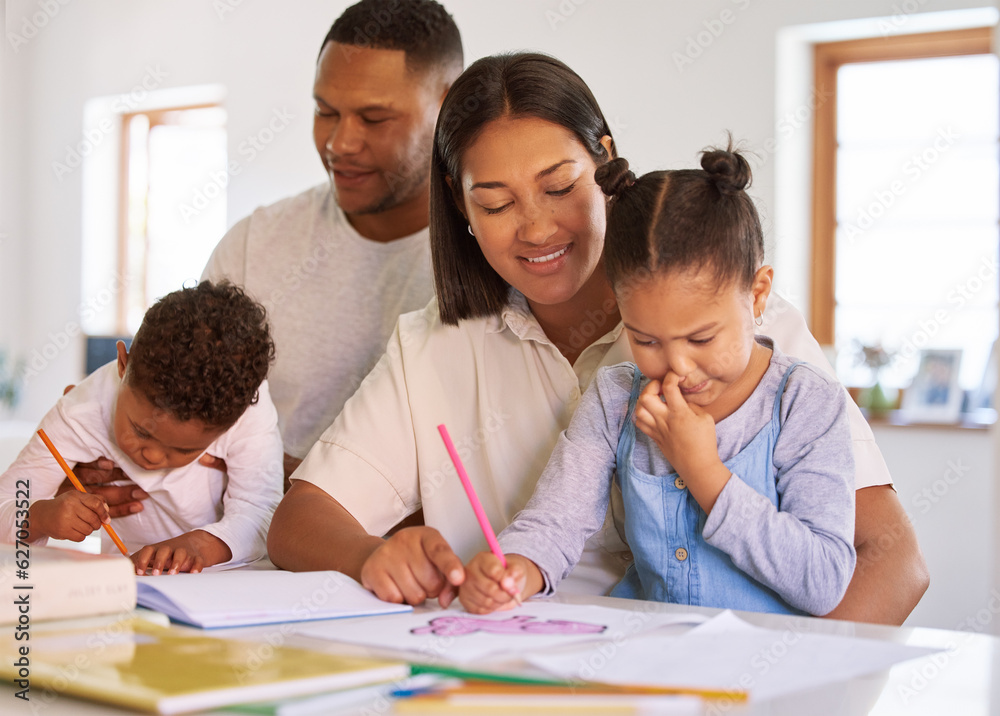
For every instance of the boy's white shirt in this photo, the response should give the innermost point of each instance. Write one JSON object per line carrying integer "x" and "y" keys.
{"x": 235, "y": 506}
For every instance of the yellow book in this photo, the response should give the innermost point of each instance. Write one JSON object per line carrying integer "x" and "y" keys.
{"x": 40, "y": 583}
{"x": 138, "y": 665}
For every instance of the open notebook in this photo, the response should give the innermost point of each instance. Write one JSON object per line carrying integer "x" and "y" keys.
{"x": 251, "y": 597}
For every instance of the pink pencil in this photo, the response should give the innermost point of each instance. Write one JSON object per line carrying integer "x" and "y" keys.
{"x": 477, "y": 507}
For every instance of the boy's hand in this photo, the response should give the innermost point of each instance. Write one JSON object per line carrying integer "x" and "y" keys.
{"x": 71, "y": 515}
{"x": 190, "y": 552}
{"x": 686, "y": 435}
{"x": 489, "y": 587}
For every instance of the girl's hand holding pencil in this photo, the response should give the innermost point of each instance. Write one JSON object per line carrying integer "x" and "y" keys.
{"x": 490, "y": 587}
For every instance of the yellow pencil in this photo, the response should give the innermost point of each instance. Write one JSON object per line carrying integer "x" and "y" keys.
{"x": 79, "y": 485}
{"x": 473, "y": 688}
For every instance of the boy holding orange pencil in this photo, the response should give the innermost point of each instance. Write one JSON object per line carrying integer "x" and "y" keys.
{"x": 192, "y": 383}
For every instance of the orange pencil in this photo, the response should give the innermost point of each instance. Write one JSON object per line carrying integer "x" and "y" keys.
{"x": 79, "y": 485}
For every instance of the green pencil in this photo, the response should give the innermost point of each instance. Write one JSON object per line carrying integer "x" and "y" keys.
{"x": 573, "y": 686}
{"x": 457, "y": 673}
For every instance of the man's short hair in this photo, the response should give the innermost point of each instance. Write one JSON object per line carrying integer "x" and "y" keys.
{"x": 422, "y": 29}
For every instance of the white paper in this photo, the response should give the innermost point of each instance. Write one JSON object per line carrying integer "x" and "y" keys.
{"x": 251, "y": 597}
{"x": 456, "y": 636}
{"x": 727, "y": 653}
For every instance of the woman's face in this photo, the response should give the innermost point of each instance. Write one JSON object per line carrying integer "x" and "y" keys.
{"x": 528, "y": 191}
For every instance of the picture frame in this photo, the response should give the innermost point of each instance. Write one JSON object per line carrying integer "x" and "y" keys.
{"x": 982, "y": 397}
{"x": 934, "y": 396}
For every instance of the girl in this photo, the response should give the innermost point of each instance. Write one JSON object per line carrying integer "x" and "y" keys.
{"x": 738, "y": 484}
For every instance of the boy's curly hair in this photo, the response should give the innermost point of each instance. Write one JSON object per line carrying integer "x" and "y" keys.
{"x": 202, "y": 353}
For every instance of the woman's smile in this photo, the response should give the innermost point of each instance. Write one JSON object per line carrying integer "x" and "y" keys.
{"x": 534, "y": 208}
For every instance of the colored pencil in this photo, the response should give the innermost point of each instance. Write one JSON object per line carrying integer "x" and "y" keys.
{"x": 485, "y": 689}
{"x": 494, "y": 683}
{"x": 79, "y": 485}
{"x": 490, "y": 676}
{"x": 477, "y": 506}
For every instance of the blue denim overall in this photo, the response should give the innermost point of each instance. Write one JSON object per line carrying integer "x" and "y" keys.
{"x": 664, "y": 525}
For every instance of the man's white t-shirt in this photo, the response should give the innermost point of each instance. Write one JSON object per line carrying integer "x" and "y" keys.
{"x": 332, "y": 299}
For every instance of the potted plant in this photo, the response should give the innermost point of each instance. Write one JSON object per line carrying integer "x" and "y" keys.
{"x": 10, "y": 381}
{"x": 875, "y": 399}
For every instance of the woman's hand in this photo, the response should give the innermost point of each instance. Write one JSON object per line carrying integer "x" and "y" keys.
{"x": 489, "y": 587}
{"x": 686, "y": 435}
{"x": 190, "y": 552}
{"x": 411, "y": 566}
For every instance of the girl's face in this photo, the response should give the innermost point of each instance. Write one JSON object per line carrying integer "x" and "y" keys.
{"x": 528, "y": 192}
{"x": 683, "y": 322}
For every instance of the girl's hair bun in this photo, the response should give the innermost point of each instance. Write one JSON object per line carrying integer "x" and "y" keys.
{"x": 727, "y": 169}
{"x": 614, "y": 177}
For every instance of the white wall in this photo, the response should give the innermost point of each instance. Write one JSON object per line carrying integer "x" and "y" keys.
{"x": 944, "y": 478}
{"x": 263, "y": 52}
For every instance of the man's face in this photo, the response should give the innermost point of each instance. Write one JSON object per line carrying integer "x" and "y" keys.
{"x": 374, "y": 126}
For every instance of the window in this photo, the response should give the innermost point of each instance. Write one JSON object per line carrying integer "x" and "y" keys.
{"x": 907, "y": 200}
{"x": 154, "y": 177}
{"x": 172, "y": 202}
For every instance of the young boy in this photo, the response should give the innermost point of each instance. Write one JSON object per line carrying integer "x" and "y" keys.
{"x": 192, "y": 383}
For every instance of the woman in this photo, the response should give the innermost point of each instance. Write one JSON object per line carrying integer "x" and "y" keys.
{"x": 524, "y": 316}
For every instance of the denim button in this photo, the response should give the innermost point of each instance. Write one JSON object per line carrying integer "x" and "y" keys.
{"x": 679, "y": 483}
{"x": 681, "y": 554}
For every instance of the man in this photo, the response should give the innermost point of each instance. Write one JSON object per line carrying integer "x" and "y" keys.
{"x": 337, "y": 264}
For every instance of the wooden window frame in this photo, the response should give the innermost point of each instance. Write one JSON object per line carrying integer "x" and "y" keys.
{"x": 156, "y": 117}
{"x": 828, "y": 58}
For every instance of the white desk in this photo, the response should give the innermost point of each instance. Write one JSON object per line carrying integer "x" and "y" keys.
{"x": 964, "y": 681}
